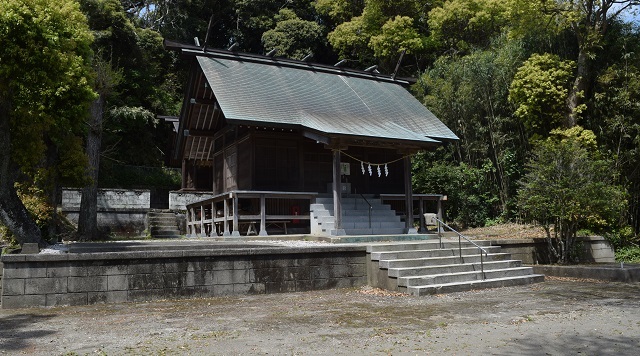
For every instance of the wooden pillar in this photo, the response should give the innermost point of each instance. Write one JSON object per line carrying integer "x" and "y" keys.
{"x": 202, "y": 233}
{"x": 337, "y": 194}
{"x": 408, "y": 196}
{"x": 184, "y": 174}
{"x": 423, "y": 227}
{"x": 225, "y": 221}
{"x": 236, "y": 226}
{"x": 263, "y": 216}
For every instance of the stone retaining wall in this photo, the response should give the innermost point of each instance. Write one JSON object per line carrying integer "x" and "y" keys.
{"x": 109, "y": 199}
{"x": 178, "y": 200}
{"x": 614, "y": 273}
{"x": 120, "y": 211}
{"x": 114, "y": 277}
{"x": 595, "y": 249}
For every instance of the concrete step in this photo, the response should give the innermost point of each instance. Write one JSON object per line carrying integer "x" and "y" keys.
{"x": 464, "y": 276}
{"x": 362, "y": 218}
{"x": 152, "y": 215}
{"x": 163, "y": 225}
{"x": 373, "y": 231}
{"x": 471, "y": 285}
{"x": 160, "y": 229}
{"x": 175, "y": 235}
{"x": 452, "y": 268}
{"x": 396, "y": 255}
{"x": 422, "y": 245}
{"x": 447, "y": 260}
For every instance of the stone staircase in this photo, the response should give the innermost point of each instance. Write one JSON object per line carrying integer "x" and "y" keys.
{"x": 355, "y": 217}
{"x": 163, "y": 224}
{"x": 422, "y": 268}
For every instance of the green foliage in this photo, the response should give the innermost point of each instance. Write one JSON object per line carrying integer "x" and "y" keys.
{"x": 381, "y": 31}
{"x": 338, "y": 10}
{"x": 398, "y": 34}
{"x": 293, "y": 37}
{"x": 45, "y": 90}
{"x": 139, "y": 177}
{"x": 469, "y": 94}
{"x": 45, "y": 74}
{"x": 129, "y": 136}
{"x": 630, "y": 254}
{"x": 569, "y": 186}
{"x": 471, "y": 197}
{"x": 539, "y": 91}
{"x": 463, "y": 24}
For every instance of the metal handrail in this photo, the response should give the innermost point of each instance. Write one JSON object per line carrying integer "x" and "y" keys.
{"x": 460, "y": 237}
{"x": 370, "y": 207}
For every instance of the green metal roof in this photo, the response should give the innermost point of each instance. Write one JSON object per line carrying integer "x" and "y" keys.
{"x": 331, "y": 103}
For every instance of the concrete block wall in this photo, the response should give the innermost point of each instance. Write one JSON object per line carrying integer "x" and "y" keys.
{"x": 178, "y": 201}
{"x": 109, "y": 199}
{"x": 534, "y": 251}
{"x": 89, "y": 278}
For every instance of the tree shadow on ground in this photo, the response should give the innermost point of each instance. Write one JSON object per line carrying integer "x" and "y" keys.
{"x": 592, "y": 344}
{"x": 15, "y": 331}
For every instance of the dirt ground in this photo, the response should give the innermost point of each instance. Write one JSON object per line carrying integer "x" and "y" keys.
{"x": 557, "y": 317}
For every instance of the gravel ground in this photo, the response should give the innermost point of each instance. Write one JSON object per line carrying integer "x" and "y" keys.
{"x": 557, "y": 317}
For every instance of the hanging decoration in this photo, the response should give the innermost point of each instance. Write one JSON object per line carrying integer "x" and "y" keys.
{"x": 369, "y": 164}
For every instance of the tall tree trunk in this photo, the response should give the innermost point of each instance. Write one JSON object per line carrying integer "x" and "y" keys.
{"x": 579, "y": 88}
{"x": 88, "y": 217}
{"x": 13, "y": 213}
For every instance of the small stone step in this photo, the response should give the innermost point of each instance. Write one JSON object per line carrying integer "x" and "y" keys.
{"x": 422, "y": 245}
{"x": 467, "y": 286}
{"x": 452, "y": 268}
{"x": 395, "y": 255}
{"x": 431, "y": 261}
{"x": 163, "y": 225}
{"x": 372, "y": 231}
{"x": 464, "y": 276}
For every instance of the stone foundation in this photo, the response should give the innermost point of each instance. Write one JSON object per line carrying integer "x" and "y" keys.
{"x": 115, "y": 277}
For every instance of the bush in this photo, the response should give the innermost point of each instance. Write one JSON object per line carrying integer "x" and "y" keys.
{"x": 629, "y": 254}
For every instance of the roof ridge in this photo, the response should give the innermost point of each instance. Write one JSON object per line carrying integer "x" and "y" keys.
{"x": 197, "y": 51}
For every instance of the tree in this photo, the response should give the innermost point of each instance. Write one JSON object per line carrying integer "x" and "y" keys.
{"x": 45, "y": 89}
{"x": 616, "y": 108}
{"x": 460, "y": 24}
{"x": 568, "y": 186}
{"x": 382, "y": 31}
{"x": 539, "y": 92}
{"x": 589, "y": 21}
{"x": 469, "y": 94}
{"x": 292, "y": 36}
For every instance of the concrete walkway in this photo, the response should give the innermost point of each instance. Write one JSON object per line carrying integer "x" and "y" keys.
{"x": 556, "y": 317}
